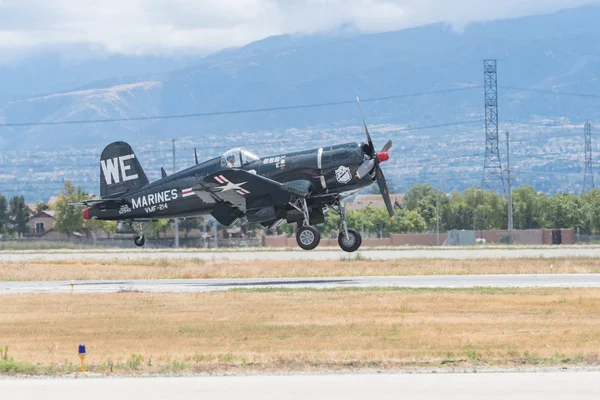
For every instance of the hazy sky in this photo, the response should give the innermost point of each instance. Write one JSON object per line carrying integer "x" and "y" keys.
{"x": 158, "y": 26}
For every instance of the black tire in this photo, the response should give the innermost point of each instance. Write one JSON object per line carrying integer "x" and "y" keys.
{"x": 308, "y": 237}
{"x": 353, "y": 243}
{"x": 139, "y": 240}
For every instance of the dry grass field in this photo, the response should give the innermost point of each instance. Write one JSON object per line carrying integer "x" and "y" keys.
{"x": 196, "y": 268}
{"x": 299, "y": 329}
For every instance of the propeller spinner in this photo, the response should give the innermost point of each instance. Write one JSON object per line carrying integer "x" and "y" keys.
{"x": 373, "y": 162}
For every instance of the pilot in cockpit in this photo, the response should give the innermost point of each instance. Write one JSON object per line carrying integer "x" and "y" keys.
{"x": 230, "y": 160}
{"x": 236, "y": 158}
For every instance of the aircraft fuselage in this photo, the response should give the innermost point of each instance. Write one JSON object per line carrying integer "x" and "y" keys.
{"x": 326, "y": 172}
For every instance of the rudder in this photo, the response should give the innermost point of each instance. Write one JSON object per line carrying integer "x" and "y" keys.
{"x": 120, "y": 170}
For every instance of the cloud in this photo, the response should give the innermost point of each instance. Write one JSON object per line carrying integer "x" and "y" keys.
{"x": 163, "y": 26}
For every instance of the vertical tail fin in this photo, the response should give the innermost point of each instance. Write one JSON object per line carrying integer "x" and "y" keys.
{"x": 120, "y": 170}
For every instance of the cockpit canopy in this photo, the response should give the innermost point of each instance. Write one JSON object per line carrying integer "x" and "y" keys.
{"x": 236, "y": 158}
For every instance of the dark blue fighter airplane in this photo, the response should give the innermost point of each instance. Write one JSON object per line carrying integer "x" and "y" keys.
{"x": 295, "y": 187}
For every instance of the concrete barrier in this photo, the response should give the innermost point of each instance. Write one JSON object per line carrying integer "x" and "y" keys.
{"x": 568, "y": 236}
{"x": 275, "y": 241}
{"x": 416, "y": 239}
{"x": 527, "y": 236}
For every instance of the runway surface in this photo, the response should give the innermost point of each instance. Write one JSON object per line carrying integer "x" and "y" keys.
{"x": 262, "y": 254}
{"x": 530, "y": 386}
{"x": 208, "y": 285}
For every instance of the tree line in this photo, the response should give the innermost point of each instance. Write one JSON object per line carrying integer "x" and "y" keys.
{"x": 14, "y": 215}
{"x": 423, "y": 207}
{"x": 475, "y": 209}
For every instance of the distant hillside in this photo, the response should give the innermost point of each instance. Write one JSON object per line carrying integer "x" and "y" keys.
{"x": 557, "y": 52}
{"x": 550, "y": 53}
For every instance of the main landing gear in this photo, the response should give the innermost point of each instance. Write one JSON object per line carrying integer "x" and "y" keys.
{"x": 308, "y": 237}
{"x": 348, "y": 239}
{"x": 139, "y": 240}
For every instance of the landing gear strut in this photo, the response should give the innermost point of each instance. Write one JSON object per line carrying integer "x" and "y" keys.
{"x": 348, "y": 239}
{"x": 307, "y": 236}
{"x": 140, "y": 239}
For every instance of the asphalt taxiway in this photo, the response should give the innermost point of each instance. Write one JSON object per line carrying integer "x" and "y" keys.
{"x": 208, "y": 285}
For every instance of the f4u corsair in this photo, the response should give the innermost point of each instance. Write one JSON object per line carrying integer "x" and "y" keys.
{"x": 296, "y": 187}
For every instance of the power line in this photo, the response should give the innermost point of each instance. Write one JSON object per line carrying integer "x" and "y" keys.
{"x": 235, "y": 112}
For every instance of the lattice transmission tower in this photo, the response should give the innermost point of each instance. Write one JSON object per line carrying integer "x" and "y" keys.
{"x": 493, "y": 178}
{"x": 588, "y": 175}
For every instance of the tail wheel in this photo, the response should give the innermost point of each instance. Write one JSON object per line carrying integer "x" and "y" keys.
{"x": 352, "y": 242}
{"x": 139, "y": 240}
{"x": 308, "y": 237}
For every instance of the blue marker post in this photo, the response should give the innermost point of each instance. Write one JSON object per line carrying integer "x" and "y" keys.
{"x": 82, "y": 357}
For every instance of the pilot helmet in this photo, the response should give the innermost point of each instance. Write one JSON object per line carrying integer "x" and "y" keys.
{"x": 231, "y": 158}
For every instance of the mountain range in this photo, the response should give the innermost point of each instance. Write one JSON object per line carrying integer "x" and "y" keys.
{"x": 430, "y": 76}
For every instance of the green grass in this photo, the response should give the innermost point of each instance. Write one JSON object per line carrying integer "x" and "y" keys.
{"x": 229, "y": 362}
{"x": 135, "y": 361}
{"x": 12, "y": 367}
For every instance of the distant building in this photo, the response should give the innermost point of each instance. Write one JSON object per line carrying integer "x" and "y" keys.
{"x": 374, "y": 200}
{"x": 41, "y": 223}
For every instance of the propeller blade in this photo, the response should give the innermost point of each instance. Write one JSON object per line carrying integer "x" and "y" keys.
{"x": 384, "y": 192}
{"x": 365, "y": 168}
{"x": 387, "y": 146}
{"x": 369, "y": 141}
{"x": 375, "y": 162}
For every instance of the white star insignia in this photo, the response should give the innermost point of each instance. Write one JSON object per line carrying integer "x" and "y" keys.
{"x": 232, "y": 186}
